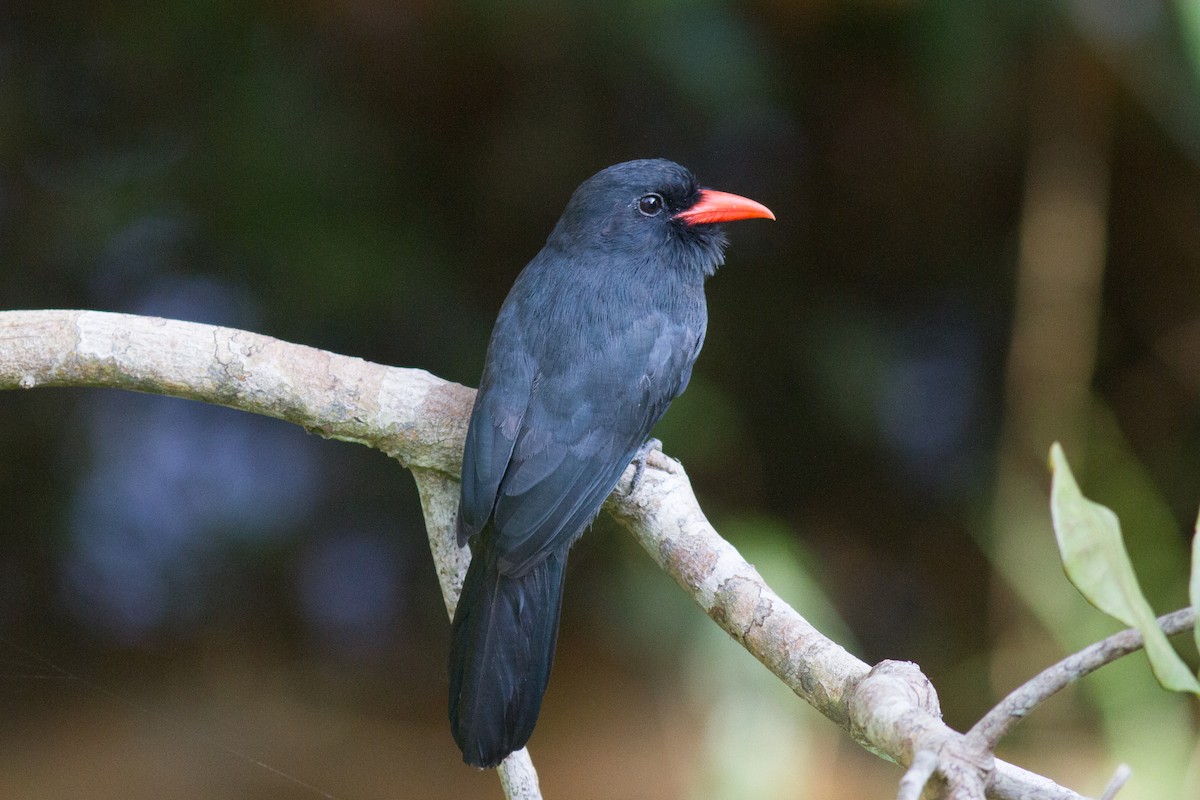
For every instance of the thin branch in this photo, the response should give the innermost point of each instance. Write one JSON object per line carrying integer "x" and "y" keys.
{"x": 1115, "y": 784}
{"x": 518, "y": 778}
{"x": 994, "y": 725}
{"x": 420, "y": 420}
{"x": 439, "y": 504}
{"x": 918, "y": 774}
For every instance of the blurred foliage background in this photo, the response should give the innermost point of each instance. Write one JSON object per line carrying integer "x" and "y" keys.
{"x": 988, "y": 239}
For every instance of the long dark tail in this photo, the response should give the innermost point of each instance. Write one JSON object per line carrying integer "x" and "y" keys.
{"x": 502, "y": 646}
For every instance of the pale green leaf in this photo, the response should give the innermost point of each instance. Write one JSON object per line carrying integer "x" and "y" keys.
{"x": 1194, "y": 585}
{"x": 1096, "y": 562}
{"x": 1189, "y": 24}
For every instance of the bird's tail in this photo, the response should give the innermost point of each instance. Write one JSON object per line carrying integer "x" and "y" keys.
{"x": 502, "y": 646}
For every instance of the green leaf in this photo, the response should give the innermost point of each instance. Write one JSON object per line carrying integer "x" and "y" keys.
{"x": 1189, "y": 24}
{"x": 1194, "y": 585}
{"x": 1096, "y": 562}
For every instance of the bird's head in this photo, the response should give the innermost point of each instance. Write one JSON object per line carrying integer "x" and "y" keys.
{"x": 652, "y": 208}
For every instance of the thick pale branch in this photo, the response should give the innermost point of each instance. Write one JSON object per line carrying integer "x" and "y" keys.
{"x": 407, "y": 413}
{"x": 421, "y": 420}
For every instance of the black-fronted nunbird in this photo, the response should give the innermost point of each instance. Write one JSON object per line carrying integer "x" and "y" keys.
{"x": 596, "y": 338}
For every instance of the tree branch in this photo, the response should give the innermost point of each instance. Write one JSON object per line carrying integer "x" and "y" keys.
{"x": 994, "y": 725}
{"x": 420, "y": 420}
{"x": 919, "y": 772}
{"x": 412, "y": 416}
{"x": 439, "y": 504}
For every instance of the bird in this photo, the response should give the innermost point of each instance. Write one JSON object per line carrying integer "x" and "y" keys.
{"x": 595, "y": 339}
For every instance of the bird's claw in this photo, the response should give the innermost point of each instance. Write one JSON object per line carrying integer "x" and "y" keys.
{"x": 639, "y": 460}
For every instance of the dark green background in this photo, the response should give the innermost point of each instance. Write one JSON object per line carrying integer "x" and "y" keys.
{"x": 369, "y": 177}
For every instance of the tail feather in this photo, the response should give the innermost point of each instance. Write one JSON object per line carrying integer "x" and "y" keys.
{"x": 502, "y": 646}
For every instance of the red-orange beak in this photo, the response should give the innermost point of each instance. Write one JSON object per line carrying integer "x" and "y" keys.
{"x": 714, "y": 206}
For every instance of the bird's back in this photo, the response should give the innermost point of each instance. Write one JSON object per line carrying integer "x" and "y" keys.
{"x": 583, "y": 362}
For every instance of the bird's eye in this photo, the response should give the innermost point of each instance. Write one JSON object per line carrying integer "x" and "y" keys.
{"x": 650, "y": 204}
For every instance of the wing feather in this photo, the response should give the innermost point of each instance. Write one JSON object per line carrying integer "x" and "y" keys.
{"x": 584, "y": 423}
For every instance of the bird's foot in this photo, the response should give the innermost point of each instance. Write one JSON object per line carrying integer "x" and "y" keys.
{"x": 639, "y": 461}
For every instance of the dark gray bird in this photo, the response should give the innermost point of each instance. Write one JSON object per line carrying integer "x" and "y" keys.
{"x": 595, "y": 340}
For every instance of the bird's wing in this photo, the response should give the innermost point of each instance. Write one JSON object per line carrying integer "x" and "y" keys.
{"x": 496, "y": 421}
{"x": 590, "y": 409}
